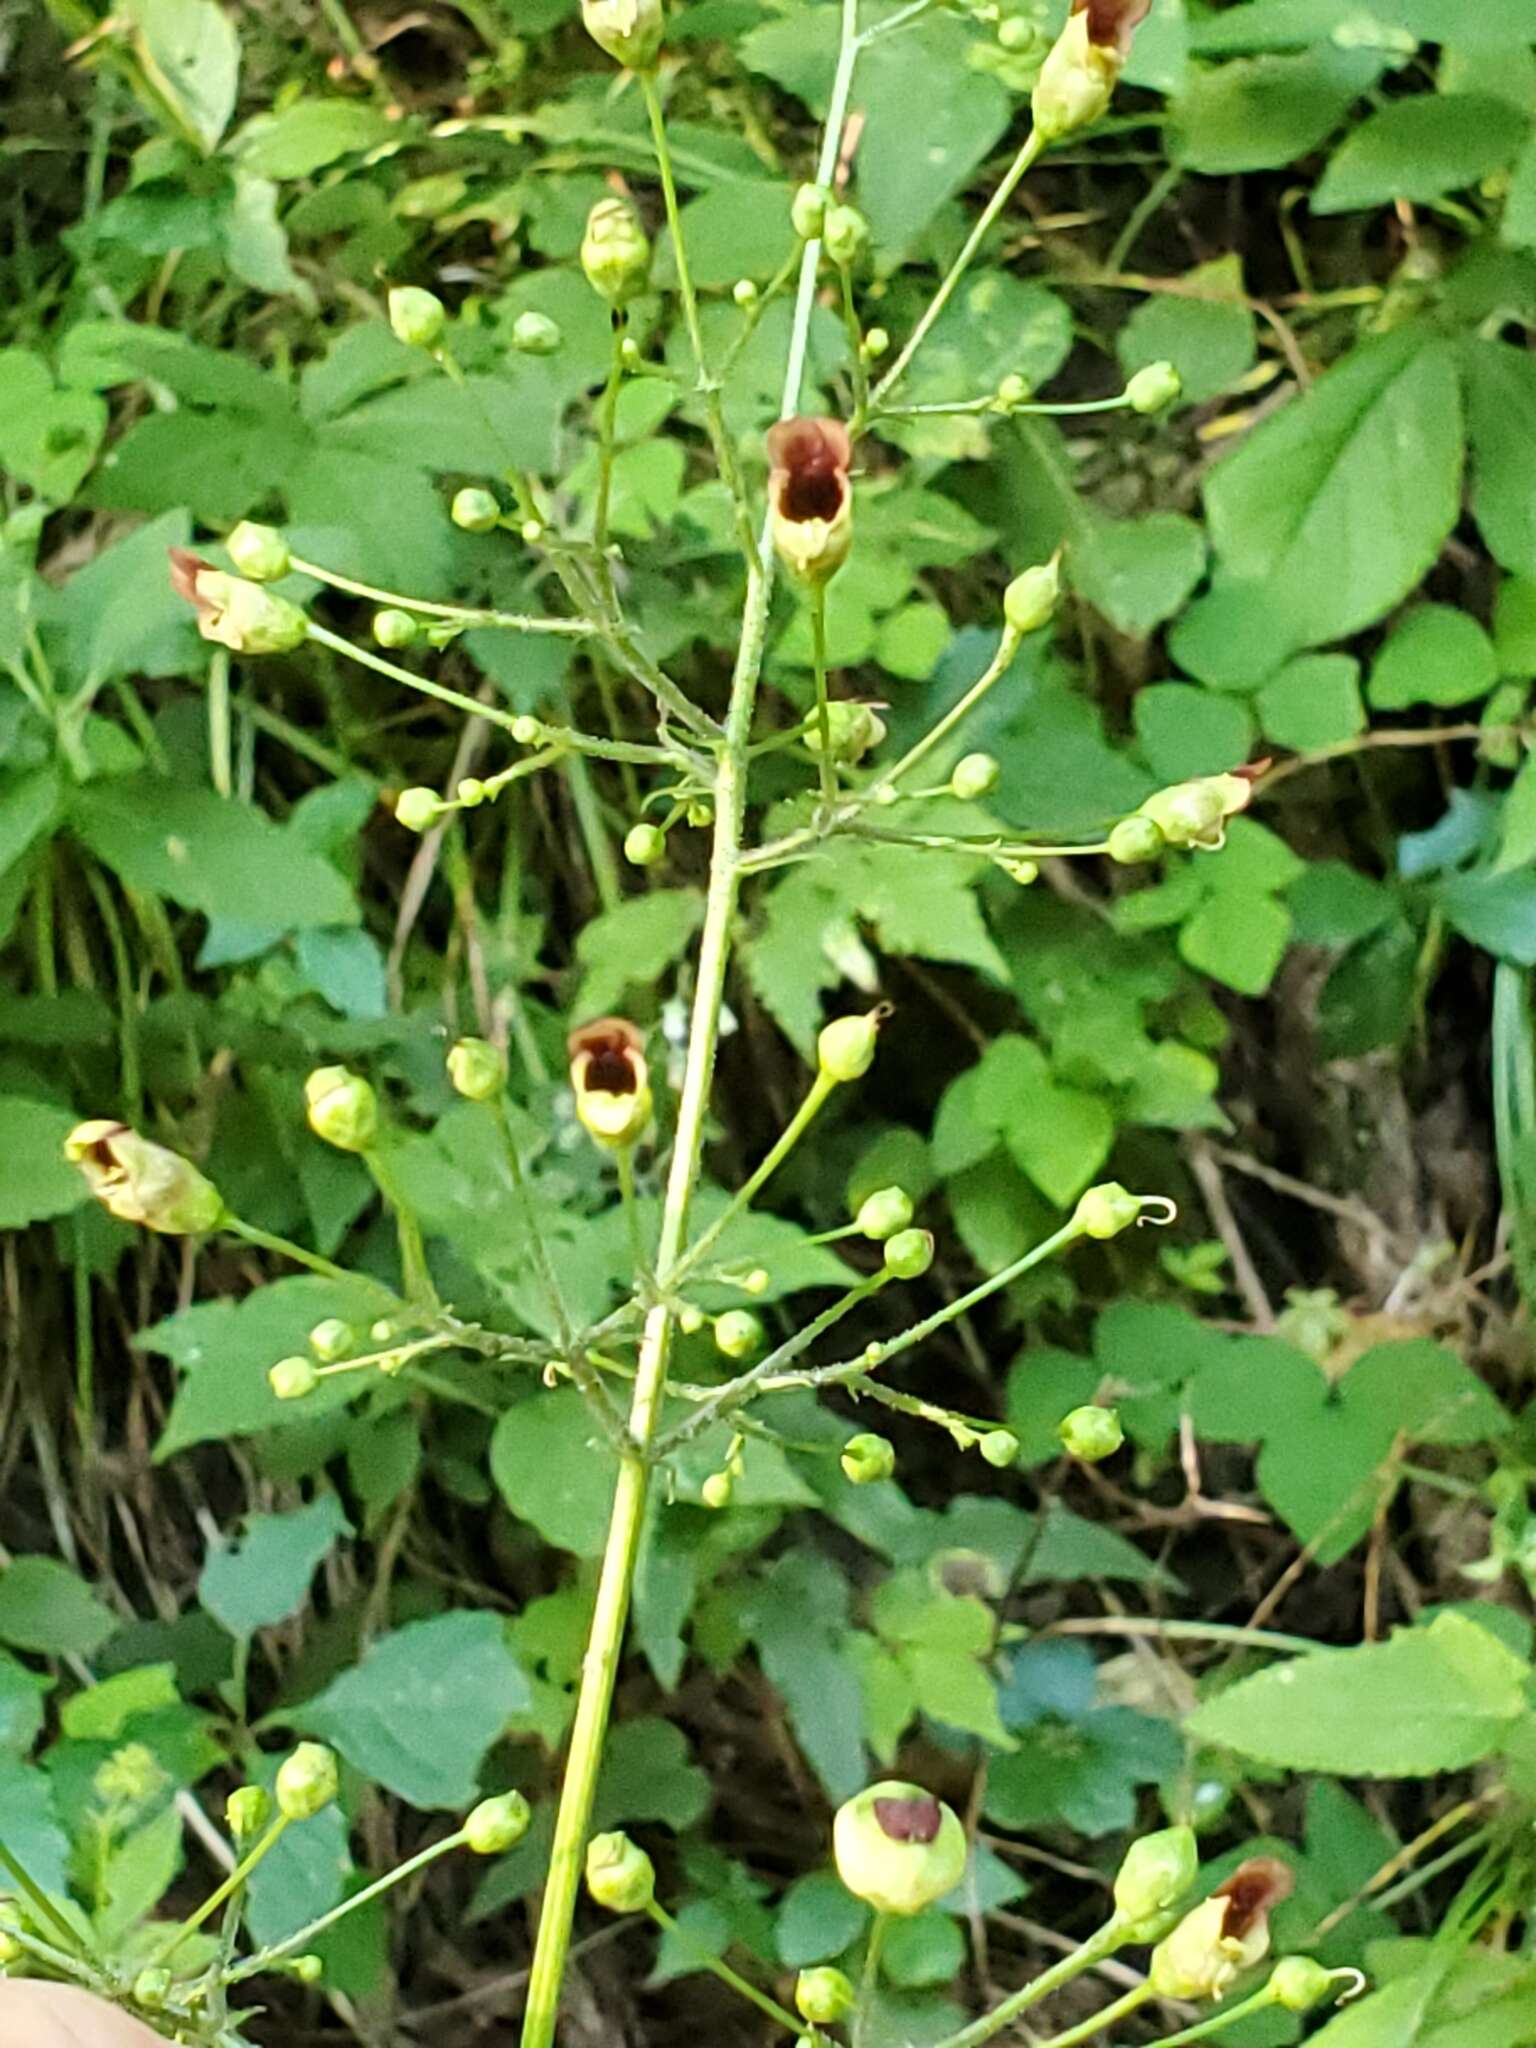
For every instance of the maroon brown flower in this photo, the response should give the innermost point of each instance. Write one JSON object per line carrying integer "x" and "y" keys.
{"x": 809, "y": 495}
{"x": 236, "y": 613}
{"x": 1112, "y": 23}
{"x": 1224, "y": 1935}
{"x": 1078, "y": 78}
{"x": 611, "y": 1079}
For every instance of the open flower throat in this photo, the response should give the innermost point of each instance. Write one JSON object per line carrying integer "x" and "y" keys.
{"x": 607, "y": 1057}
{"x": 909, "y": 1820}
{"x": 1251, "y": 1892}
{"x": 809, "y": 495}
{"x": 1112, "y": 23}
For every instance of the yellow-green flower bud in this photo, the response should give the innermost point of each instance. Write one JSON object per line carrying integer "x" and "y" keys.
{"x": 1012, "y": 391}
{"x": 417, "y": 808}
{"x": 884, "y": 1212}
{"x": 629, "y": 31}
{"x": 1091, "y": 1433}
{"x": 615, "y": 252}
{"x": 898, "y": 1848}
{"x": 1158, "y": 1872}
{"x": 140, "y": 1182}
{"x": 1076, "y": 82}
{"x": 343, "y": 1109}
{"x": 808, "y": 211}
{"x": 247, "y": 1811}
{"x": 292, "y": 1378}
{"x": 130, "y": 1776}
{"x": 1154, "y": 388}
{"x": 259, "y": 552}
{"x": 1195, "y": 813}
{"x": 395, "y": 628}
{"x": 824, "y": 1996}
{"x": 717, "y": 1490}
{"x": 867, "y": 1459}
{"x": 738, "y": 1333}
{"x": 974, "y": 776}
{"x": 1299, "y": 1983}
{"x": 477, "y": 1069}
{"x": 152, "y": 1987}
{"x": 307, "y": 1969}
{"x": 307, "y": 1781}
{"x": 700, "y": 812}
{"x": 1106, "y": 1210}
{"x": 644, "y": 845}
{"x": 909, "y": 1254}
{"x": 535, "y": 334}
{"x": 1024, "y": 872}
{"x": 471, "y": 792}
{"x": 844, "y": 233}
{"x": 1031, "y": 599}
{"x": 620, "y": 1875}
{"x": 853, "y": 730}
{"x": 1135, "y": 840}
{"x": 744, "y": 293}
{"x": 247, "y": 618}
{"x": 417, "y": 317}
{"x": 876, "y": 344}
{"x": 528, "y": 731}
{"x": 333, "y": 1339}
{"x": 11, "y": 1950}
{"x": 475, "y": 510}
{"x": 845, "y": 1048}
{"x": 497, "y": 1825}
{"x": 999, "y": 1447}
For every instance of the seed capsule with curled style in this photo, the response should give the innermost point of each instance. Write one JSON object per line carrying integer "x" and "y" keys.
{"x": 809, "y": 496}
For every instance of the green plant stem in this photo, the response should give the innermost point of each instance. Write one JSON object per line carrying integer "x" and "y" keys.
{"x": 297, "y": 1943}
{"x": 284, "y": 1247}
{"x": 1007, "y": 652}
{"x": 708, "y": 385}
{"x": 1121, "y": 2009}
{"x": 724, "y": 1972}
{"x": 38, "y": 1899}
{"x": 826, "y": 767}
{"x": 416, "y": 1274}
{"x": 1085, "y": 1957}
{"x": 236, "y": 1878}
{"x": 815, "y": 1099}
{"x": 464, "y": 615}
{"x": 607, "y": 415}
{"x": 869, "y": 1979}
{"x": 855, "y": 331}
{"x": 1034, "y": 143}
{"x": 423, "y": 685}
{"x": 548, "y": 1278}
{"x": 1218, "y": 2023}
{"x": 616, "y": 1576}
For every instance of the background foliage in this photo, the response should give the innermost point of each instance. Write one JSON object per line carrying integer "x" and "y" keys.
{"x": 1299, "y": 1606}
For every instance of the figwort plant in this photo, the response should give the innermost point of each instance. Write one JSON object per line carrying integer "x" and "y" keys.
{"x": 897, "y": 1848}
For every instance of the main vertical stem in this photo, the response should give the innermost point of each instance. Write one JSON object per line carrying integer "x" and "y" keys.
{"x": 616, "y": 1578}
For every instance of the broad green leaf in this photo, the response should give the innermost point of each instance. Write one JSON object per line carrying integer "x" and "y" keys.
{"x": 303, "y": 1875}
{"x": 38, "y": 1181}
{"x": 1392, "y": 25}
{"x": 192, "y": 53}
{"x": 426, "y": 1702}
{"x": 1185, "y": 731}
{"x": 1262, "y": 113}
{"x": 32, "y": 1831}
{"x": 101, "y": 1712}
{"x": 1238, "y": 939}
{"x": 22, "y": 1693}
{"x": 648, "y": 1775}
{"x": 818, "y": 1919}
{"x": 1313, "y": 702}
{"x": 1345, "y": 1711}
{"x": 44, "y": 1607}
{"x": 307, "y": 135}
{"x": 209, "y": 853}
{"x": 224, "y": 1349}
{"x": 119, "y": 616}
{"x": 927, "y": 1949}
{"x": 1436, "y": 656}
{"x": 48, "y": 438}
{"x": 1419, "y": 148}
{"x": 1205, "y": 328}
{"x": 1340, "y": 503}
{"x": 796, "y": 1613}
{"x": 1139, "y": 572}
{"x": 263, "y": 1577}
{"x": 1501, "y": 399}
{"x": 554, "y": 1469}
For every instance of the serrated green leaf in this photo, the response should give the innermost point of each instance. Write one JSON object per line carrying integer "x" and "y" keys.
{"x": 263, "y": 1577}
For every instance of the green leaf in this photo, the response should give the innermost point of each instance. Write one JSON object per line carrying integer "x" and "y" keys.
{"x": 1501, "y": 398}
{"x": 648, "y": 1775}
{"x": 192, "y": 53}
{"x": 634, "y": 944}
{"x": 209, "y": 853}
{"x": 818, "y": 1919}
{"x": 22, "y": 1693}
{"x": 263, "y": 1578}
{"x": 1343, "y": 1710}
{"x": 101, "y": 1713}
{"x": 308, "y": 135}
{"x": 1210, "y": 343}
{"x": 1264, "y": 113}
{"x": 119, "y": 615}
{"x": 32, "y": 1831}
{"x": 926, "y": 1949}
{"x": 1139, "y": 572}
{"x": 1185, "y": 731}
{"x": 38, "y": 1180}
{"x": 1340, "y": 503}
{"x": 48, "y": 438}
{"x": 553, "y": 1469}
{"x": 1436, "y": 656}
{"x": 45, "y": 1607}
{"x": 1237, "y": 939}
{"x": 424, "y": 1705}
{"x": 796, "y": 1613}
{"x": 1313, "y": 702}
{"x": 1419, "y": 148}
{"x": 225, "y": 1348}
